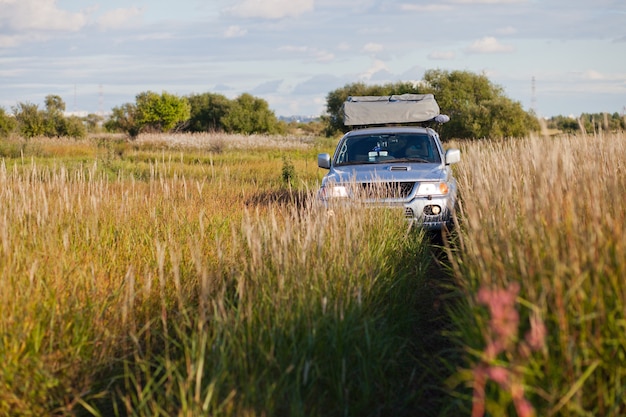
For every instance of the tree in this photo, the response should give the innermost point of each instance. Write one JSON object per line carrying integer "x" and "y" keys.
{"x": 53, "y": 115}
{"x": 477, "y": 108}
{"x": 596, "y": 122}
{"x": 151, "y": 111}
{"x": 563, "y": 124}
{"x": 123, "y": 119}
{"x": 7, "y": 123}
{"x": 71, "y": 126}
{"x": 250, "y": 114}
{"x": 207, "y": 111}
{"x": 336, "y": 98}
{"x": 30, "y": 120}
{"x": 56, "y": 124}
{"x": 55, "y": 105}
{"x": 161, "y": 112}
{"x": 93, "y": 122}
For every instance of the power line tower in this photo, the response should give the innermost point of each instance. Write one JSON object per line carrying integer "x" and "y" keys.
{"x": 100, "y": 101}
{"x": 533, "y": 96}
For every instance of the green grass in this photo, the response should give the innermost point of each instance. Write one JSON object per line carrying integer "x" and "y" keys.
{"x": 548, "y": 214}
{"x": 203, "y": 288}
{"x": 195, "y": 275}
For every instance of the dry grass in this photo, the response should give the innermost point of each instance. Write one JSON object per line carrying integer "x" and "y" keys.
{"x": 169, "y": 281}
{"x": 549, "y": 214}
{"x": 212, "y": 141}
{"x": 183, "y": 275}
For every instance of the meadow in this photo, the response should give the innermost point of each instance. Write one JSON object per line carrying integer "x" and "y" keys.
{"x": 184, "y": 275}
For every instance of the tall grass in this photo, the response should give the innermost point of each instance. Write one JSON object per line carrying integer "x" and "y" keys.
{"x": 206, "y": 287}
{"x": 195, "y": 275}
{"x": 316, "y": 318}
{"x": 548, "y": 215}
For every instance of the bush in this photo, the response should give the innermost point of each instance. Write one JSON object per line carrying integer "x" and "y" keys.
{"x": 30, "y": 120}
{"x": 7, "y": 124}
{"x": 207, "y": 111}
{"x": 250, "y": 114}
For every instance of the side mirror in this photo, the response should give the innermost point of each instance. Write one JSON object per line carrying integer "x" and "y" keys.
{"x": 323, "y": 160}
{"x": 453, "y": 156}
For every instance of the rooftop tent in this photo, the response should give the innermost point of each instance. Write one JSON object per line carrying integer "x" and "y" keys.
{"x": 404, "y": 108}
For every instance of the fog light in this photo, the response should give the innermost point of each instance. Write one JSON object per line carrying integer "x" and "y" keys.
{"x": 432, "y": 210}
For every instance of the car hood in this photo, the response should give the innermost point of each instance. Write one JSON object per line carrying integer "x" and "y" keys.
{"x": 401, "y": 172}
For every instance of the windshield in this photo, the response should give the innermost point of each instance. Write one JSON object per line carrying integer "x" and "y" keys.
{"x": 385, "y": 148}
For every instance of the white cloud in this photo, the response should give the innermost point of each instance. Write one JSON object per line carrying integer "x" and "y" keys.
{"x": 39, "y": 15}
{"x": 488, "y": 45}
{"x": 425, "y": 8}
{"x": 318, "y": 55}
{"x": 372, "y": 48}
{"x": 508, "y": 30}
{"x": 442, "y": 55}
{"x": 594, "y": 75}
{"x": 377, "y": 67}
{"x": 344, "y": 46}
{"x": 292, "y": 48}
{"x": 10, "y": 41}
{"x": 271, "y": 9}
{"x": 324, "y": 56}
{"x": 119, "y": 18}
{"x": 235, "y": 31}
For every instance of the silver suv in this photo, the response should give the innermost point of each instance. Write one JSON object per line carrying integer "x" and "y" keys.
{"x": 399, "y": 166}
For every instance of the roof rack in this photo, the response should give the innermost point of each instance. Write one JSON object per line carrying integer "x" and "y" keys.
{"x": 394, "y": 109}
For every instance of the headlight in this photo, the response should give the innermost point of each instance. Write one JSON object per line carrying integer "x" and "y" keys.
{"x": 432, "y": 188}
{"x": 334, "y": 191}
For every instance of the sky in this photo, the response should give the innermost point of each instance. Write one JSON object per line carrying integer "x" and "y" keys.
{"x": 556, "y": 57}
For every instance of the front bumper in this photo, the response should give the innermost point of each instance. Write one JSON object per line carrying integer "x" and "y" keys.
{"x": 430, "y": 213}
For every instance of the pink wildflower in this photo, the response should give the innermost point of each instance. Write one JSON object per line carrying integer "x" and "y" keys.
{"x": 522, "y": 405}
{"x": 524, "y": 408}
{"x": 504, "y": 317}
{"x": 500, "y": 375}
{"x": 478, "y": 397}
{"x": 501, "y": 336}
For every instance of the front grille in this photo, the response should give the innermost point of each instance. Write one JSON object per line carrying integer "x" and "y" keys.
{"x": 381, "y": 190}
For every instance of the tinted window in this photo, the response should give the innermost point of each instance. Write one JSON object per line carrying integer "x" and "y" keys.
{"x": 384, "y": 148}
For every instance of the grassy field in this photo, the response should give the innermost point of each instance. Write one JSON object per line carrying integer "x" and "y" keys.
{"x": 193, "y": 275}
{"x": 541, "y": 260}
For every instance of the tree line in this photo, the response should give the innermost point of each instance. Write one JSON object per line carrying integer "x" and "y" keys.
{"x": 588, "y": 122}
{"x": 151, "y": 112}
{"x": 477, "y": 109}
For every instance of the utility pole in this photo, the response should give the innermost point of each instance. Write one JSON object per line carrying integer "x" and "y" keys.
{"x": 533, "y": 96}
{"x": 100, "y": 101}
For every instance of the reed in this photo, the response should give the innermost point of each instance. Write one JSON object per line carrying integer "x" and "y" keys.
{"x": 546, "y": 215}
{"x": 151, "y": 280}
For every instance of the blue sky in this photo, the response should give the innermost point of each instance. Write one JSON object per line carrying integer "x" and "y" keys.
{"x": 97, "y": 55}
